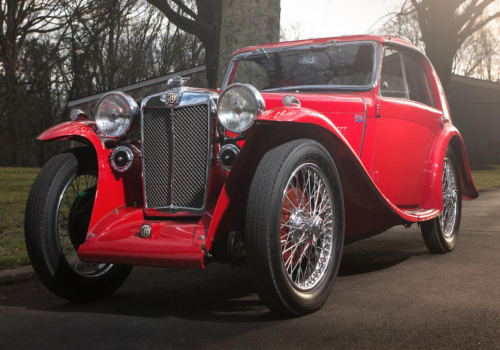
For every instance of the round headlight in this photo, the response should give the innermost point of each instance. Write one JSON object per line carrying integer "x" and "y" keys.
{"x": 116, "y": 114}
{"x": 239, "y": 104}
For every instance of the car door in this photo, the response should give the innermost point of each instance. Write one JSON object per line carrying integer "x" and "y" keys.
{"x": 406, "y": 129}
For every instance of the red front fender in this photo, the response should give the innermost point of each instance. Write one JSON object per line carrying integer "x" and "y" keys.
{"x": 367, "y": 210}
{"x": 113, "y": 190}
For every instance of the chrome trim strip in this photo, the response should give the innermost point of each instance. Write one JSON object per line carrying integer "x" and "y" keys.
{"x": 364, "y": 126}
{"x": 188, "y": 97}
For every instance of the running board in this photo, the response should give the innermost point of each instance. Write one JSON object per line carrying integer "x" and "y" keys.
{"x": 422, "y": 214}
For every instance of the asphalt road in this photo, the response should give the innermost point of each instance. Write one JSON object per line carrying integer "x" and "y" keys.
{"x": 391, "y": 293}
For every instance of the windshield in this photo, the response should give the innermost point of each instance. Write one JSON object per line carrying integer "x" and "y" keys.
{"x": 344, "y": 65}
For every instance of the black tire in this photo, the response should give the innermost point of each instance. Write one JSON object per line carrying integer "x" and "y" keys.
{"x": 437, "y": 240}
{"x": 42, "y": 236}
{"x": 263, "y": 233}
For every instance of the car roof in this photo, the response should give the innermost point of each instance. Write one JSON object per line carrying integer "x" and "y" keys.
{"x": 378, "y": 38}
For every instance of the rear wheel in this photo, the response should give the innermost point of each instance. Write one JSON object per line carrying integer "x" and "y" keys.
{"x": 440, "y": 234}
{"x": 295, "y": 227}
{"x": 57, "y": 219}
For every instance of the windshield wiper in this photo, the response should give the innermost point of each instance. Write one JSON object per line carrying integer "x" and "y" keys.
{"x": 256, "y": 51}
{"x": 332, "y": 42}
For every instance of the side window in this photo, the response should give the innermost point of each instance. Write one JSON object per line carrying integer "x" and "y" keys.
{"x": 418, "y": 83}
{"x": 392, "y": 83}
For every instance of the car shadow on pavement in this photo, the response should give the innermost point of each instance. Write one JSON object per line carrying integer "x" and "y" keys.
{"x": 381, "y": 252}
{"x": 218, "y": 294}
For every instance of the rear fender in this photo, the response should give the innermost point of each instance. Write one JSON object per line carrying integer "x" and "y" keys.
{"x": 433, "y": 197}
{"x": 114, "y": 190}
{"x": 366, "y": 209}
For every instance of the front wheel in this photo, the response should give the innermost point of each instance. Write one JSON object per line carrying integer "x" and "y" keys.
{"x": 440, "y": 234}
{"x": 295, "y": 227}
{"x": 57, "y": 218}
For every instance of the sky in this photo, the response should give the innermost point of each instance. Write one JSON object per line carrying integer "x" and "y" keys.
{"x": 325, "y": 18}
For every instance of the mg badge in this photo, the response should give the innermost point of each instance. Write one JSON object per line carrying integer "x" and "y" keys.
{"x": 171, "y": 98}
{"x": 146, "y": 230}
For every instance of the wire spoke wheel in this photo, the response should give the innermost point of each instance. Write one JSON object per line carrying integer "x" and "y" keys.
{"x": 440, "y": 234}
{"x": 77, "y": 186}
{"x": 306, "y": 226}
{"x": 448, "y": 216}
{"x": 294, "y": 227}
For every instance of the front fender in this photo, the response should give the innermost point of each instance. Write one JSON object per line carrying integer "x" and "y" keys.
{"x": 367, "y": 210}
{"x": 83, "y": 131}
{"x": 114, "y": 190}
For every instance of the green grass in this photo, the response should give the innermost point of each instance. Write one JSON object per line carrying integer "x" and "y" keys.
{"x": 15, "y": 184}
{"x": 486, "y": 176}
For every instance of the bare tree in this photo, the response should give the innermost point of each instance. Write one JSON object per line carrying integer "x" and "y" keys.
{"x": 19, "y": 20}
{"x": 47, "y": 59}
{"x": 479, "y": 56}
{"x": 445, "y": 26}
{"x": 223, "y": 26}
{"x": 292, "y": 32}
{"x": 201, "y": 18}
{"x": 134, "y": 44}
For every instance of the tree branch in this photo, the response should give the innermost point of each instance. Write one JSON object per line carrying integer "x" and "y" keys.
{"x": 187, "y": 10}
{"x": 469, "y": 30}
{"x": 201, "y": 30}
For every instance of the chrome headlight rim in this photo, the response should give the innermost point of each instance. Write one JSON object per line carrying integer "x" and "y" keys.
{"x": 261, "y": 104}
{"x": 134, "y": 112}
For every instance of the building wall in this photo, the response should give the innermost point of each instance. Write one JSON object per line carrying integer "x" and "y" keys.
{"x": 475, "y": 110}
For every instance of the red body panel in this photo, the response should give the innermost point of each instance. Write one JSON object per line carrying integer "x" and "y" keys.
{"x": 404, "y": 138}
{"x": 388, "y": 152}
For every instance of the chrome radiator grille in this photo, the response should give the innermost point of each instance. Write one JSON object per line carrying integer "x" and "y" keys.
{"x": 175, "y": 151}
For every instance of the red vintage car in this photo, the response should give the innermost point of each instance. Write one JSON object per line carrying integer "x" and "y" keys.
{"x": 310, "y": 145}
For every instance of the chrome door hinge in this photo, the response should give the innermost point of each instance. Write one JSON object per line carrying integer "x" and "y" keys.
{"x": 444, "y": 121}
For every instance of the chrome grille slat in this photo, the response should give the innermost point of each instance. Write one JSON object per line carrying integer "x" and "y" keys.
{"x": 175, "y": 152}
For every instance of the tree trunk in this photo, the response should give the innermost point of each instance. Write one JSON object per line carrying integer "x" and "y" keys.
{"x": 245, "y": 23}
{"x": 442, "y": 60}
{"x": 12, "y": 98}
{"x": 212, "y": 62}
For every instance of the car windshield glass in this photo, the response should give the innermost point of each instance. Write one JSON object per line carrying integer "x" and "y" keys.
{"x": 344, "y": 65}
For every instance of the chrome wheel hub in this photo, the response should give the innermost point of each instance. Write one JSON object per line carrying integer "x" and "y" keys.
{"x": 310, "y": 228}
{"x": 448, "y": 216}
{"x": 306, "y": 227}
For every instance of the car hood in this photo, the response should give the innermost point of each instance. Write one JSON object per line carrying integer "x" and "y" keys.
{"x": 332, "y": 102}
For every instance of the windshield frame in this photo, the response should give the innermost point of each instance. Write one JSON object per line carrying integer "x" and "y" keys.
{"x": 357, "y": 88}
